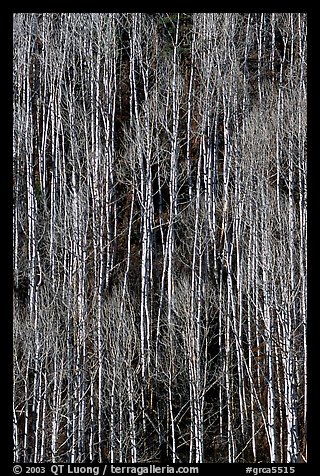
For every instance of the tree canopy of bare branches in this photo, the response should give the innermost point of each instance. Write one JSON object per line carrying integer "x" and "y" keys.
{"x": 159, "y": 228}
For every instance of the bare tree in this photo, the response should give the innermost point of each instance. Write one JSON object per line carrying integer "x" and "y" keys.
{"x": 159, "y": 237}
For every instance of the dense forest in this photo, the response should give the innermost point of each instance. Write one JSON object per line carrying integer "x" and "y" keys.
{"x": 159, "y": 237}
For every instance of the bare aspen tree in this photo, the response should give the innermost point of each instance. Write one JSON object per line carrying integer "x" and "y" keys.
{"x": 159, "y": 237}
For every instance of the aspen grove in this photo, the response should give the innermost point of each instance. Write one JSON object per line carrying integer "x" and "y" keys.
{"x": 159, "y": 237}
